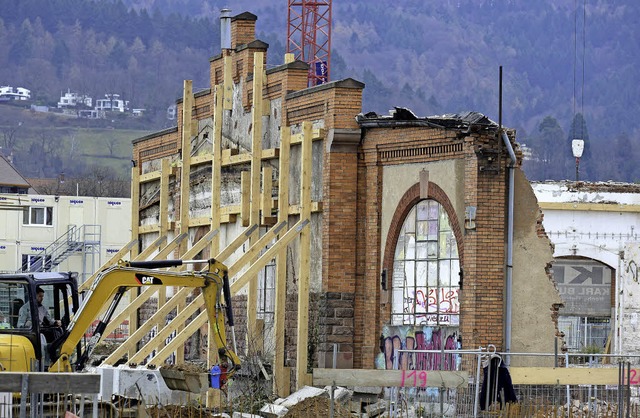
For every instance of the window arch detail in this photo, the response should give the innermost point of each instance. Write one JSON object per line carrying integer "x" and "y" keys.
{"x": 423, "y": 261}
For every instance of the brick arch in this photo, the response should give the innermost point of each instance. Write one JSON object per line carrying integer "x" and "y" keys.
{"x": 407, "y": 202}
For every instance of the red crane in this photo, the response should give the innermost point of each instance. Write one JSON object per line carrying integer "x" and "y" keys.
{"x": 309, "y": 37}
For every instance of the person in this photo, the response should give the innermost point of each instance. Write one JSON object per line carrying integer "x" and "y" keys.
{"x": 24, "y": 315}
{"x": 4, "y": 321}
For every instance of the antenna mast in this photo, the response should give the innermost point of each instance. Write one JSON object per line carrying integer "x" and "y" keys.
{"x": 309, "y": 37}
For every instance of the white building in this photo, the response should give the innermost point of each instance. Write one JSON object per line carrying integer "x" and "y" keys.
{"x": 70, "y": 99}
{"x": 112, "y": 103}
{"x": 594, "y": 228}
{"x": 66, "y": 233}
{"x": 17, "y": 93}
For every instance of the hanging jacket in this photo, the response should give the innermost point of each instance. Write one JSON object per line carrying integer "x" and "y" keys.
{"x": 496, "y": 382}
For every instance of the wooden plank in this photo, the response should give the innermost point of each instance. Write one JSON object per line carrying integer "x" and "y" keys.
{"x": 289, "y": 58}
{"x": 281, "y": 378}
{"x": 267, "y": 189}
{"x": 245, "y": 158}
{"x": 316, "y": 135}
{"x": 201, "y": 159}
{"x": 187, "y": 108}
{"x": 149, "y": 177}
{"x": 563, "y": 376}
{"x": 44, "y": 382}
{"x": 256, "y": 171}
{"x": 391, "y": 378}
{"x": 227, "y": 80}
{"x": 148, "y": 229}
{"x": 135, "y": 207}
{"x": 245, "y": 202}
{"x": 268, "y": 255}
{"x": 305, "y": 256}
{"x": 216, "y": 176}
{"x": 315, "y": 207}
{"x": 594, "y": 207}
{"x": 165, "y": 170}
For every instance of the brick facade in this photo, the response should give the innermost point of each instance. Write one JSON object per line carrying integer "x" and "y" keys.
{"x": 357, "y": 245}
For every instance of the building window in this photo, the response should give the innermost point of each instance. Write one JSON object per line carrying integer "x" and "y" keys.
{"x": 426, "y": 269}
{"x": 32, "y": 262}
{"x": 38, "y": 215}
{"x": 266, "y": 292}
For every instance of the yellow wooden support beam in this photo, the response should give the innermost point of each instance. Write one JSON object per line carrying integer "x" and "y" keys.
{"x": 167, "y": 330}
{"x": 165, "y": 171}
{"x": 563, "y": 376}
{"x": 135, "y": 206}
{"x": 256, "y": 170}
{"x": 280, "y": 378}
{"x": 593, "y": 207}
{"x": 149, "y": 177}
{"x": 267, "y": 199}
{"x": 227, "y": 80}
{"x": 201, "y": 159}
{"x": 255, "y": 248}
{"x": 148, "y": 229}
{"x": 316, "y": 135}
{"x": 245, "y": 202}
{"x": 145, "y": 328}
{"x": 185, "y": 190}
{"x": 172, "y": 346}
{"x": 315, "y": 207}
{"x": 145, "y": 294}
{"x": 229, "y": 159}
{"x": 391, "y": 378}
{"x": 267, "y": 256}
{"x": 305, "y": 256}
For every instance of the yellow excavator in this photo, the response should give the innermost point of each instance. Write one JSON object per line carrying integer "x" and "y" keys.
{"x": 44, "y": 326}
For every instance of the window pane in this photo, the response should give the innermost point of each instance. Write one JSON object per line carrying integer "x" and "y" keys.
{"x": 25, "y": 216}
{"x": 37, "y": 216}
{"x": 410, "y": 224}
{"x": 421, "y": 274}
{"x": 432, "y": 274}
{"x": 398, "y": 274}
{"x": 423, "y": 208}
{"x": 422, "y": 230}
{"x": 409, "y": 273}
{"x": 432, "y": 249}
{"x": 433, "y": 209}
{"x": 410, "y": 247}
{"x": 421, "y": 250}
{"x": 49, "y": 219}
{"x": 433, "y": 230}
{"x": 445, "y": 273}
{"x": 444, "y": 221}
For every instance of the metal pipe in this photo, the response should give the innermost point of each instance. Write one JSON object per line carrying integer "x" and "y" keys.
{"x": 509, "y": 278}
{"x": 225, "y": 28}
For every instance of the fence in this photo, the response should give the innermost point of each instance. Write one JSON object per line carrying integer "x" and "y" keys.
{"x": 462, "y": 383}
{"x": 31, "y": 395}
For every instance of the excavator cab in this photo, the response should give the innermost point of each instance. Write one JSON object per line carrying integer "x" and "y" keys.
{"x": 26, "y": 343}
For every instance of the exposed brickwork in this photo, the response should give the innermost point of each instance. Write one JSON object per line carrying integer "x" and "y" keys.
{"x": 243, "y": 29}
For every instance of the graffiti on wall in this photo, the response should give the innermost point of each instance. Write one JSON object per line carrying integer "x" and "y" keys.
{"x": 408, "y": 337}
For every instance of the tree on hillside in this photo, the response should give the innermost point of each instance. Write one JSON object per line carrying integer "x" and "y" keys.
{"x": 549, "y": 151}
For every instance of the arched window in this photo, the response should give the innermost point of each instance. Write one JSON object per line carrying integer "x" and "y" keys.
{"x": 426, "y": 269}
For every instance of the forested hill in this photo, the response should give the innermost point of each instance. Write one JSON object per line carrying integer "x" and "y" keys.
{"x": 561, "y": 58}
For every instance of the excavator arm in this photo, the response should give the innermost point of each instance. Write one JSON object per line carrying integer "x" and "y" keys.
{"x": 111, "y": 284}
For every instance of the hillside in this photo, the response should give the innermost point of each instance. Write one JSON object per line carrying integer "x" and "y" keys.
{"x": 560, "y": 58}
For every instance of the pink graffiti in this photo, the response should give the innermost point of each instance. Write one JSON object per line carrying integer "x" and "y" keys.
{"x": 421, "y": 361}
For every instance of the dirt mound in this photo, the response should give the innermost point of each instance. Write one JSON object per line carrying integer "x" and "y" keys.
{"x": 318, "y": 407}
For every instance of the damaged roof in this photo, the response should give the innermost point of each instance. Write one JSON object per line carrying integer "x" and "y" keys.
{"x": 401, "y": 116}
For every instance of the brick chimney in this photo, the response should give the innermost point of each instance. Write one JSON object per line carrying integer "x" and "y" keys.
{"x": 243, "y": 29}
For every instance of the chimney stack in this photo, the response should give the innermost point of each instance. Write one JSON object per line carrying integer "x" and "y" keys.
{"x": 225, "y": 28}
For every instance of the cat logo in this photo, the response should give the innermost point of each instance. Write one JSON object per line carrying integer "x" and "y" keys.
{"x": 147, "y": 280}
